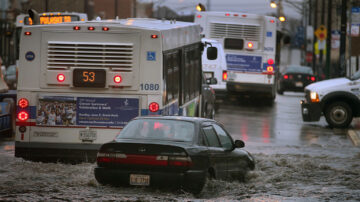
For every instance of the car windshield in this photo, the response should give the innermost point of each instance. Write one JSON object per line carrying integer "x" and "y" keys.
{"x": 356, "y": 76}
{"x": 160, "y": 129}
{"x": 299, "y": 69}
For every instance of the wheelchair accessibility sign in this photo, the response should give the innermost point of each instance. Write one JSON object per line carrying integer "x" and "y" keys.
{"x": 151, "y": 56}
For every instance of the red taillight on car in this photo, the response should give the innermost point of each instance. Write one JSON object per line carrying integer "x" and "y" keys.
{"x": 154, "y": 107}
{"x": 225, "y": 76}
{"x": 23, "y": 103}
{"x": 184, "y": 161}
{"x": 313, "y": 78}
{"x": 23, "y": 116}
{"x": 286, "y": 76}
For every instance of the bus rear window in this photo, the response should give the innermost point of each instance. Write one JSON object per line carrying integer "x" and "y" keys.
{"x": 237, "y": 44}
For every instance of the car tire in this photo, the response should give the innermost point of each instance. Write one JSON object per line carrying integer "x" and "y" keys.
{"x": 338, "y": 115}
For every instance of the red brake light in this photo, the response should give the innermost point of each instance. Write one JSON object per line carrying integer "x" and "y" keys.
{"x": 154, "y": 107}
{"x": 224, "y": 76}
{"x": 286, "y": 76}
{"x": 250, "y": 44}
{"x": 27, "y": 33}
{"x": 23, "y": 103}
{"x": 105, "y": 29}
{"x": 227, "y": 14}
{"x": 198, "y": 16}
{"x": 270, "y": 61}
{"x": 272, "y": 21}
{"x": 60, "y": 77}
{"x": 180, "y": 161}
{"x": 76, "y": 28}
{"x": 117, "y": 79}
{"x": 91, "y": 28}
{"x": 313, "y": 78}
{"x": 154, "y": 36}
{"x": 23, "y": 116}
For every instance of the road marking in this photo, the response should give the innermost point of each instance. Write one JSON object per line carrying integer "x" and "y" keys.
{"x": 355, "y": 137}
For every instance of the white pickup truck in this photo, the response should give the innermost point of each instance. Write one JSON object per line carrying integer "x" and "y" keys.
{"x": 337, "y": 99}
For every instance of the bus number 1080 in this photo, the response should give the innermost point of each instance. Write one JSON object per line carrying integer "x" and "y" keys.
{"x": 149, "y": 86}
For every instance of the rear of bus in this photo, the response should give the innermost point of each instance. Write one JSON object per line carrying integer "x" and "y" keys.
{"x": 249, "y": 42}
{"x": 79, "y": 84}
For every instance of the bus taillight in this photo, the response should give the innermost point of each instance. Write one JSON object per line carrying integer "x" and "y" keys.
{"x": 270, "y": 69}
{"x": 154, "y": 107}
{"x": 270, "y": 61}
{"x": 250, "y": 44}
{"x": 117, "y": 79}
{"x": 23, "y": 116}
{"x": 76, "y": 28}
{"x": 23, "y": 103}
{"x": 105, "y": 29}
{"x": 154, "y": 36}
{"x": 60, "y": 77}
{"x": 224, "y": 76}
{"x": 91, "y": 28}
{"x": 27, "y": 33}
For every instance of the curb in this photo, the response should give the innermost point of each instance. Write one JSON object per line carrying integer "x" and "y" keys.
{"x": 354, "y": 136}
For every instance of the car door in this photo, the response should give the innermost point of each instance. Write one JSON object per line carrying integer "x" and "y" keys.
{"x": 236, "y": 164}
{"x": 215, "y": 151}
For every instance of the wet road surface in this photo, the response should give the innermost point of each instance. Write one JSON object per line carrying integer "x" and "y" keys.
{"x": 296, "y": 161}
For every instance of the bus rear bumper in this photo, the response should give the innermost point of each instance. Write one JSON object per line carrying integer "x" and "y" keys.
{"x": 249, "y": 88}
{"x": 56, "y": 152}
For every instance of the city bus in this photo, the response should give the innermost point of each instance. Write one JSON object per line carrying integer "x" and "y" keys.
{"x": 249, "y": 43}
{"x": 81, "y": 83}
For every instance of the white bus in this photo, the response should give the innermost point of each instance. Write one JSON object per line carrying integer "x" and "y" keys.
{"x": 79, "y": 83}
{"x": 249, "y": 42}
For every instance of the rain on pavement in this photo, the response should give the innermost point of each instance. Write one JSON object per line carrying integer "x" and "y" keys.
{"x": 296, "y": 161}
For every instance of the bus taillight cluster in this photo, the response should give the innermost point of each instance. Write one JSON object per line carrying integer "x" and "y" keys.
{"x": 23, "y": 114}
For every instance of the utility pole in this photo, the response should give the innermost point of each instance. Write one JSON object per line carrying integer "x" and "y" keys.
{"x": 314, "y": 41}
{"x": 343, "y": 38}
{"x": 321, "y": 61}
{"x": 328, "y": 39}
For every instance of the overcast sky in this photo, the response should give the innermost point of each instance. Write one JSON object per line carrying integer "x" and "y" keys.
{"x": 247, "y": 6}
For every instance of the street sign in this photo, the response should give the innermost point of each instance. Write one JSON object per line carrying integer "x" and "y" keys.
{"x": 321, "y": 32}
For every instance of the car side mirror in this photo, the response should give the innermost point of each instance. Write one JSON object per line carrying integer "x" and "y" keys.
{"x": 211, "y": 53}
{"x": 211, "y": 81}
{"x": 239, "y": 144}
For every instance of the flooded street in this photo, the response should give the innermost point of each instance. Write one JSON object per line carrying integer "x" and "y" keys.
{"x": 296, "y": 161}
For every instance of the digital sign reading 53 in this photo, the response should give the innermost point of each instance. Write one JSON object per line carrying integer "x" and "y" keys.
{"x": 89, "y": 78}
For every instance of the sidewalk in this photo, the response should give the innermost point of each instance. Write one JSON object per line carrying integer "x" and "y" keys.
{"x": 354, "y": 134}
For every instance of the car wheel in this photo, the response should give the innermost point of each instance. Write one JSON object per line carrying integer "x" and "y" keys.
{"x": 338, "y": 115}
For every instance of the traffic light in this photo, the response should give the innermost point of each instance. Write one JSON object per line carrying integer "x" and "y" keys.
{"x": 200, "y": 7}
{"x": 282, "y": 18}
{"x": 273, "y": 4}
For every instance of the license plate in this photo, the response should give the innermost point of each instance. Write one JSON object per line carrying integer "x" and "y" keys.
{"x": 208, "y": 74}
{"x": 143, "y": 180}
{"x": 87, "y": 135}
{"x": 299, "y": 84}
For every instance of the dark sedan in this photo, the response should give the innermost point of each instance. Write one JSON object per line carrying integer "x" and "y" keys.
{"x": 172, "y": 151}
{"x": 295, "y": 78}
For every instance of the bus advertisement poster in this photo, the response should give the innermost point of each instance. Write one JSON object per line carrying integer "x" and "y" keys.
{"x": 86, "y": 111}
{"x": 244, "y": 63}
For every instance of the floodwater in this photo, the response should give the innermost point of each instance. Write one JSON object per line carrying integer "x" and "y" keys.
{"x": 295, "y": 161}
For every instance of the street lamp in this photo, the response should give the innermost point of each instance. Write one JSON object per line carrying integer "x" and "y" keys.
{"x": 273, "y": 4}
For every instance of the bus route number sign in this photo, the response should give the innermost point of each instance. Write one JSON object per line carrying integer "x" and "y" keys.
{"x": 89, "y": 78}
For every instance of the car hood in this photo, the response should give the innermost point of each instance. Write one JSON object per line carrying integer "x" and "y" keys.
{"x": 332, "y": 84}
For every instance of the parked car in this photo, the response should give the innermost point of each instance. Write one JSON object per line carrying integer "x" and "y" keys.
{"x": 337, "y": 99}
{"x": 208, "y": 97}
{"x": 295, "y": 78}
{"x": 172, "y": 151}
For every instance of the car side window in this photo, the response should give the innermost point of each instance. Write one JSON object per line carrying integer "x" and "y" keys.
{"x": 225, "y": 140}
{"x": 211, "y": 136}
